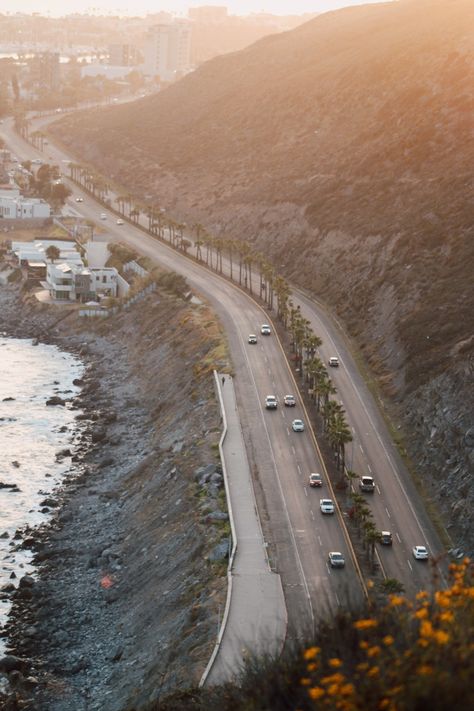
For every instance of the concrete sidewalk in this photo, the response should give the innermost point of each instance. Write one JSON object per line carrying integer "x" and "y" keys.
{"x": 255, "y": 619}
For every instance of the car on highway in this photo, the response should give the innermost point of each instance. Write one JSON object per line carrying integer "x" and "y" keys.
{"x": 336, "y": 559}
{"x": 366, "y": 483}
{"x": 289, "y": 400}
{"x": 252, "y": 338}
{"x": 103, "y": 216}
{"x": 386, "y": 538}
{"x": 120, "y": 222}
{"x": 37, "y": 161}
{"x": 265, "y": 329}
{"x": 334, "y": 362}
{"x": 420, "y": 553}
{"x": 326, "y": 506}
{"x": 315, "y": 480}
{"x": 297, "y": 426}
{"x": 271, "y": 403}
{"x": 79, "y": 199}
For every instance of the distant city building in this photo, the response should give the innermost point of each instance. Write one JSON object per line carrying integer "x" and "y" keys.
{"x": 104, "y": 70}
{"x": 122, "y": 55}
{"x": 168, "y": 50}
{"x": 208, "y": 14}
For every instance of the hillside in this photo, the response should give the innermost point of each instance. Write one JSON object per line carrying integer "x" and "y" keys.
{"x": 343, "y": 149}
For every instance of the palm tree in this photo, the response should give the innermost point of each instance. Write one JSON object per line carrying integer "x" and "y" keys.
{"x": 53, "y": 253}
{"x": 339, "y": 435}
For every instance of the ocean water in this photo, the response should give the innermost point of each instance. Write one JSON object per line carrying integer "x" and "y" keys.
{"x": 31, "y": 434}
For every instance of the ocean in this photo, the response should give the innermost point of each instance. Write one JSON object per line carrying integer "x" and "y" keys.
{"x": 31, "y": 434}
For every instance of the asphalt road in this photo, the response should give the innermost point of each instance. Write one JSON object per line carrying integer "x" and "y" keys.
{"x": 301, "y": 536}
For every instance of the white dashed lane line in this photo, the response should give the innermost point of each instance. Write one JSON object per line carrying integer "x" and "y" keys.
{"x": 388, "y": 512}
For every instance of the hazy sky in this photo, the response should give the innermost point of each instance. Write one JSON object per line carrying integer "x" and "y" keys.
{"x": 137, "y": 7}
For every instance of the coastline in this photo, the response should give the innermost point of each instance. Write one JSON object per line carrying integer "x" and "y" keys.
{"x": 122, "y": 606}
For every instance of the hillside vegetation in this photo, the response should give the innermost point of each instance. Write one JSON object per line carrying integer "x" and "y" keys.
{"x": 344, "y": 150}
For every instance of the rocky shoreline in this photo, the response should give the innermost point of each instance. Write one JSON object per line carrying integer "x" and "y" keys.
{"x": 131, "y": 567}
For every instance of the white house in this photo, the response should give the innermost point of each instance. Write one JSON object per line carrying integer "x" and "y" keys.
{"x": 16, "y": 207}
{"x": 73, "y": 282}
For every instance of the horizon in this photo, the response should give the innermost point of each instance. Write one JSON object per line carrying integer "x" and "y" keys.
{"x": 61, "y": 8}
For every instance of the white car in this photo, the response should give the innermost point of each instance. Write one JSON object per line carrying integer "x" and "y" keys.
{"x": 119, "y": 221}
{"x": 79, "y": 199}
{"x": 103, "y": 216}
{"x": 252, "y": 338}
{"x": 420, "y": 553}
{"x": 289, "y": 401}
{"x": 265, "y": 329}
{"x": 326, "y": 506}
{"x": 271, "y": 403}
{"x": 336, "y": 559}
{"x": 334, "y": 362}
{"x": 297, "y": 425}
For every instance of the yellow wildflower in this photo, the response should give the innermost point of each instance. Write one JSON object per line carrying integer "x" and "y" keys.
{"x": 396, "y": 600}
{"x": 446, "y": 616}
{"x": 374, "y": 671}
{"x": 362, "y": 666}
{"x": 442, "y": 599}
{"x": 332, "y": 679}
{"x": 347, "y": 690}
{"x": 316, "y": 692}
{"x": 388, "y": 640}
{"x": 312, "y": 666}
{"x": 426, "y": 628}
{"x": 422, "y": 613}
{"x": 425, "y": 669}
{"x": 335, "y": 663}
{"x": 363, "y": 644}
{"x": 305, "y": 682}
{"x": 312, "y": 652}
{"x": 422, "y": 595}
{"x": 365, "y": 624}
{"x": 373, "y": 651}
{"x": 441, "y": 637}
{"x": 333, "y": 689}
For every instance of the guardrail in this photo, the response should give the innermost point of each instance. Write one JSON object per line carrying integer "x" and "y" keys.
{"x": 230, "y": 565}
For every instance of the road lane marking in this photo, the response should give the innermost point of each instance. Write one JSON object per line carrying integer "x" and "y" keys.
{"x": 409, "y": 565}
{"x": 388, "y": 513}
{"x": 320, "y": 541}
{"x": 361, "y": 448}
{"x": 399, "y": 539}
{"x": 378, "y": 489}
{"x": 305, "y": 491}
{"x": 293, "y": 450}
{"x": 370, "y": 469}
{"x": 337, "y": 599}
{"x": 312, "y": 515}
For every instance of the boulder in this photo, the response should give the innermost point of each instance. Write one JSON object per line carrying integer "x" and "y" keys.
{"x": 217, "y": 516}
{"x": 55, "y": 400}
{"x": 219, "y": 552}
{"x": 11, "y": 663}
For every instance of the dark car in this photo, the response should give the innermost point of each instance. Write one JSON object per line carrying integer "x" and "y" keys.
{"x": 386, "y": 538}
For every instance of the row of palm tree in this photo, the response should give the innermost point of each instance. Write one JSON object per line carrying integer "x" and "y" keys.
{"x": 364, "y": 521}
{"x": 245, "y": 266}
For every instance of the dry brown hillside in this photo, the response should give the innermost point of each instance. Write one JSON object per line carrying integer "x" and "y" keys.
{"x": 345, "y": 149}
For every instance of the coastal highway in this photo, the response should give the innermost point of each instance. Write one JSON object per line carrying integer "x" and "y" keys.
{"x": 396, "y": 504}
